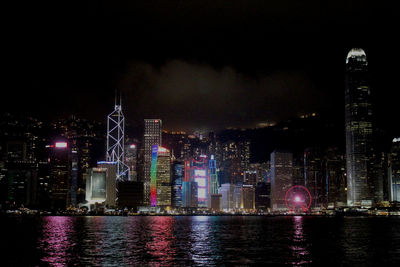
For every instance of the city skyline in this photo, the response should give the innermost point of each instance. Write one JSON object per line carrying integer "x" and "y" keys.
{"x": 200, "y": 133}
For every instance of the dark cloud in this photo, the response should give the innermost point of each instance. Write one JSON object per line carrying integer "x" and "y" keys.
{"x": 199, "y": 96}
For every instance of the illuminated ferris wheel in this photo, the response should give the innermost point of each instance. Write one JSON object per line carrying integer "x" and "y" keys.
{"x": 298, "y": 198}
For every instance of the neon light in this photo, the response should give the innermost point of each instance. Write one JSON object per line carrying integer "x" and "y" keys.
{"x": 153, "y": 176}
{"x": 61, "y": 144}
{"x": 201, "y": 173}
{"x": 297, "y": 200}
{"x": 107, "y": 162}
{"x": 200, "y": 182}
{"x": 162, "y": 149}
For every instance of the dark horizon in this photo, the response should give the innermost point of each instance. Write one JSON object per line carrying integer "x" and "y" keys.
{"x": 233, "y": 65}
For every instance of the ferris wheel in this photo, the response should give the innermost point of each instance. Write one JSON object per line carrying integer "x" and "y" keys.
{"x": 298, "y": 198}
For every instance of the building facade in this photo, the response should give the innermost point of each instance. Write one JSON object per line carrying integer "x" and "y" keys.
{"x": 281, "y": 178}
{"x": 152, "y": 136}
{"x": 358, "y": 126}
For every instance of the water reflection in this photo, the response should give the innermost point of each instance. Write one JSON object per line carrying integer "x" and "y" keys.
{"x": 55, "y": 242}
{"x": 161, "y": 246}
{"x": 202, "y": 241}
{"x": 191, "y": 240}
{"x": 300, "y": 246}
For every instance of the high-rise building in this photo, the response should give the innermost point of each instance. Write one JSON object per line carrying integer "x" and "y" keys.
{"x": 116, "y": 141}
{"x": 314, "y": 177}
{"x": 131, "y": 161}
{"x": 334, "y": 165}
{"x": 394, "y": 171}
{"x": 248, "y": 197}
{"x": 111, "y": 180}
{"x": 281, "y": 178}
{"x": 152, "y": 136}
{"x": 189, "y": 194}
{"x": 358, "y": 124}
{"x": 227, "y": 191}
{"x": 177, "y": 179}
{"x": 214, "y": 199}
{"x": 160, "y": 184}
{"x": 96, "y": 185}
{"x": 238, "y": 197}
{"x": 262, "y": 196}
{"x": 60, "y": 175}
{"x": 130, "y": 194}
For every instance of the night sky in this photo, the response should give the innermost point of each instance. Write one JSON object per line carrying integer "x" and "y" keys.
{"x": 196, "y": 64}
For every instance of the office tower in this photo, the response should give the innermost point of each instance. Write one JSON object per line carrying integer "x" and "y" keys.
{"x": 262, "y": 196}
{"x": 189, "y": 194}
{"x": 160, "y": 184}
{"x": 74, "y": 177}
{"x": 238, "y": 197}
{"x": 111, "y": 179}
{"x": 281, "y": 178}
{"x": 131, "y": 161}
{"x": 227, "y": 191}
{"x": 96, "y": 185}
{"x": 216, "y": 203}
{"x": 60, "y": 175}
{"x": 116, "y": 141}
{"x": 298, "y": 169}
{"x": 201, "y": 176}
{"x": 360, "y": 183}
{"x": 334, "y": 165}
{"x": 177, "y": 179}
{"x": 21, "y": 178}
{"x": 152, "y": 136}
{"x": 197, "y": 172}
{"x": 130, "y": 194}
{"x": 314, "y": 176}
{"x": 394, "y": 171}
{"x": 212, "y": 167}
{"x": 214, "y": 198}
{"x": 248, "y": 192}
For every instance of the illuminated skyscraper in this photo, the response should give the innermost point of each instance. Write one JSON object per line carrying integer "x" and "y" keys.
{"x": 115, "y": 141}
{"x": 360, "y": 183}
{"x": 131, "y": 161}
{"x": 160, "y": 184}
{"x": 214, "y": 184}
{"x": 177, "y": 179}
{"x": 96, "y": 190}
{"x": 59, "y": 175}
{"x": 111, "y": 191}
{"x": 152, "y": 136}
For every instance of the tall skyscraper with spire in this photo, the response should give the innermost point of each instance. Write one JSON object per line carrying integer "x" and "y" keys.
{"x": 358, "y": 124}
{"x": 116, "y": 139}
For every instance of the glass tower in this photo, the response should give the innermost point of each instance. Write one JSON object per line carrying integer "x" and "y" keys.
{"x": 358, "y": 117}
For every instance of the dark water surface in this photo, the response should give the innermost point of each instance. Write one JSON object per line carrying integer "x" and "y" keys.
{"x": 199, "y": 240}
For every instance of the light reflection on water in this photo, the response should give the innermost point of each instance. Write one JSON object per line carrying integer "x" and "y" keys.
{"x": 200, "y": 240}
{"x": 300, "y": 247}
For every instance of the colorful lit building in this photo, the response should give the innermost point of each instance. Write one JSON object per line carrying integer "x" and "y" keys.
{"x": 160, "y": 177}
{"x": 152, "y": 136}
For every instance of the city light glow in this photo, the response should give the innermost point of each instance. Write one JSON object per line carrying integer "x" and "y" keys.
{"x": 61, "y": 144}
